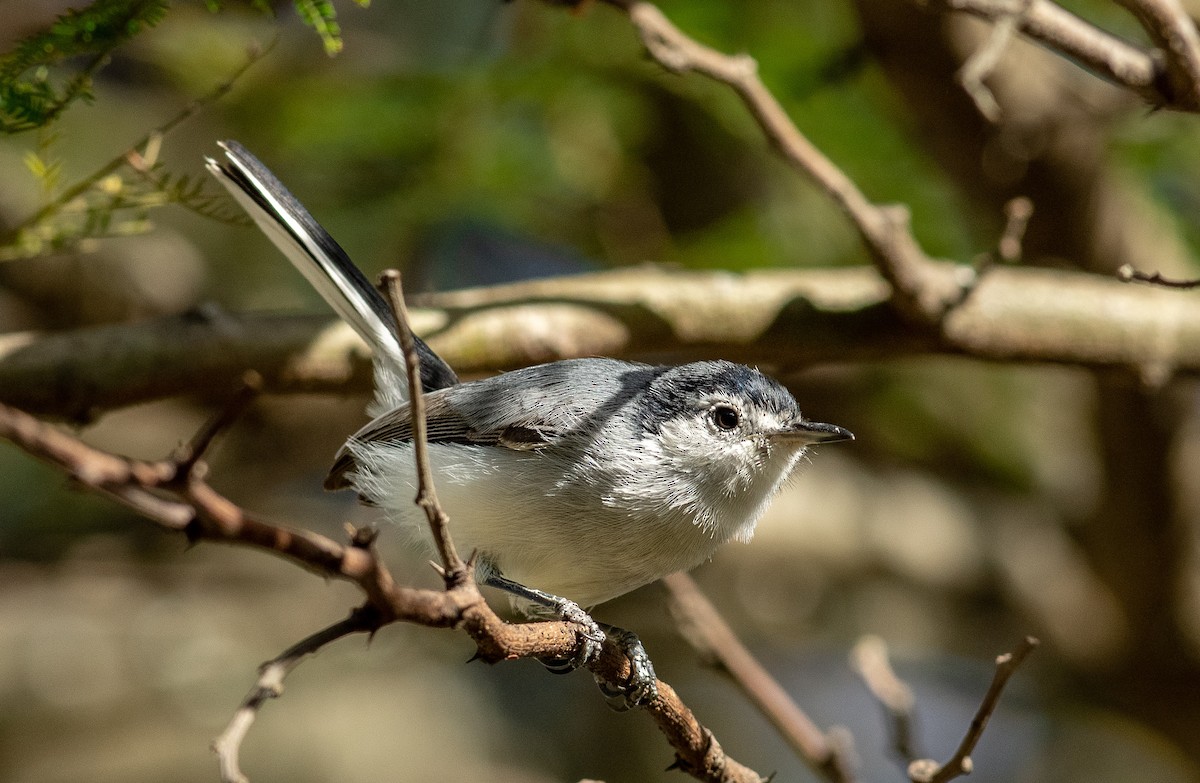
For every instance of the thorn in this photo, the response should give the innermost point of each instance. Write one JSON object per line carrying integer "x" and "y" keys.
{"x": 192, "y": 532}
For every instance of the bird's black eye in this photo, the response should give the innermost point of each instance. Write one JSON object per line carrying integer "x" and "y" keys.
{"x": 725, "y": 417}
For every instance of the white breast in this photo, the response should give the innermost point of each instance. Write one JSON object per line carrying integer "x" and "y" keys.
{"x": 561, "y": 522}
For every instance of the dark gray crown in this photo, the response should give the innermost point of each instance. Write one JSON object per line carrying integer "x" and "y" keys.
{"x": 674, "y": 391}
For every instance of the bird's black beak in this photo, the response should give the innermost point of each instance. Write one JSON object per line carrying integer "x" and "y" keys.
{"x": 810, "y": 432}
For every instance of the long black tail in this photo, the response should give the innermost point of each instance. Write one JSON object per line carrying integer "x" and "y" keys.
{"x": 325, "y": 264}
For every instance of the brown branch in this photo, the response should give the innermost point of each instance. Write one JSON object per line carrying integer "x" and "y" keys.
{"x": 782, "y": 319}
{"x": 188, "y": 456}
{"x": 704, "y": 628}
{"x": 697, "y": 751}
{"x": 1174, "y": 32}
{"x": 1104, "y": 54}
{"x": 960, "y": 763}
{"x": 439, "y": 523}
{"x": 920, "y": 295}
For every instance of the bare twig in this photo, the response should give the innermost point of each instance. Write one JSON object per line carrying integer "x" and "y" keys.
{"x": 188, "y": 456}
{"x": 269, "y": 685}
{"x": 696, "y": 749}
{"x": 918, "y": 294}
{"x": 1128, "y": 274}
{"x": 1008, "y": 250}
{"x": 981, "y": 64}
{"x": 426, "y": 492}
{"x": 1017, "y": 213}
{"x": 928, "y": 770}
{"x": 1104, "y": 54}
{"x": 870, "y": 659}
{"x": 705, "y": 629}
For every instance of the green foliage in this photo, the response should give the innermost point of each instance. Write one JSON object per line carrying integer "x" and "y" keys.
{"x": 32, "y": 91}
{"x": 114, "y": 201}
{"x": 30, "y": 96}
{"x": 321, "y": 16}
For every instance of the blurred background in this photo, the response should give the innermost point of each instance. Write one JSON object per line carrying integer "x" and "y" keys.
{"x": 480, "y": 141}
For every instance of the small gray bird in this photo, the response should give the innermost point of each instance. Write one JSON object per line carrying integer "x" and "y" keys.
{"x": 575, "y": 481}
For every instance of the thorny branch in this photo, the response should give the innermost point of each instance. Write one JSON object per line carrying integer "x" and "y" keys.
{"x": 173, "y": 493}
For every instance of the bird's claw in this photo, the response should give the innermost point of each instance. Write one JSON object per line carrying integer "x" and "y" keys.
{"x": 642, "y": 685}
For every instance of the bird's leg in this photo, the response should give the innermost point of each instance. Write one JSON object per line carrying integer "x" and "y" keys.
{"x": 642, "y": 685}
{"x": 564, "y": 609}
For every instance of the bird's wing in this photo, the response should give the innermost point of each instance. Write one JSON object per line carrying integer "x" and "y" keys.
{"x": 446, "y": 424}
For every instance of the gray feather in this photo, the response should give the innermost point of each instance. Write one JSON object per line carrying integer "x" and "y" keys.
{"x": 523, "y": 410}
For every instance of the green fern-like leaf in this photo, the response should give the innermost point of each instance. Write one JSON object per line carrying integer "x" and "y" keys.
{"x": 321, "y": 16}
{"x": 29, "y": 95}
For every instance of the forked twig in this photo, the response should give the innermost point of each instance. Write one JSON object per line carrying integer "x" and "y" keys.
{"x": 269, "y": 685}
{"x": 871, "y": 662}
{"x": 983, "y": 61}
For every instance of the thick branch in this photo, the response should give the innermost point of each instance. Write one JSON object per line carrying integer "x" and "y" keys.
{"x": 783, "y": 319}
